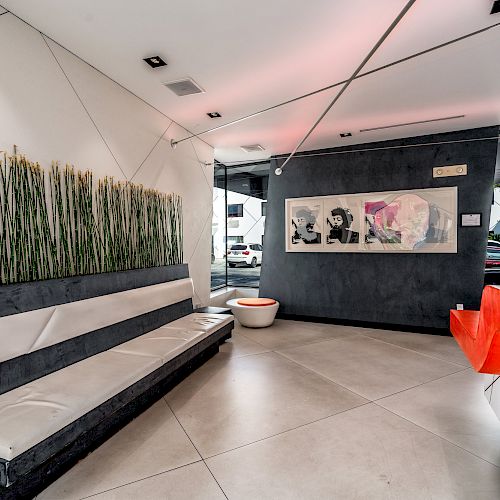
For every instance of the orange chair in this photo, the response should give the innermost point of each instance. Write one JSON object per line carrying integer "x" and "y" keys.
{"x": 478, "y": 332}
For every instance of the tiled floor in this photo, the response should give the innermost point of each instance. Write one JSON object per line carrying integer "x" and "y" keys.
{"x": 308, "y": 411}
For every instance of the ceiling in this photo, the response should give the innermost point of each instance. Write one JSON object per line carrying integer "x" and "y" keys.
{"x": 252, "y": 55}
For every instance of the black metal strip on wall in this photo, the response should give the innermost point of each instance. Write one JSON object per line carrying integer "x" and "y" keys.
{"x": 23, "y": 297}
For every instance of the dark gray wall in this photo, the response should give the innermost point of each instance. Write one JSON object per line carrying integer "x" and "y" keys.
{"x": 416, "y": 290}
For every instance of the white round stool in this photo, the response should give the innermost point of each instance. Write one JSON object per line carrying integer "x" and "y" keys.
{"x": 254, "y": 313}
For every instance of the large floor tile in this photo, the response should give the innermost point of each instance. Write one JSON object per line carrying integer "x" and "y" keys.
{"x": 230, "y": 401}
{"x": 437, "y": 346}
{"x": 150, "y": 444}
{"x": 369, "y": 367}
{"x": 284, "y": 334}
{"x": 364, "y": 453}
{"x": 240, "y": 345}
{"x": 455, "y": 408}
{"x": 192, "y": 482}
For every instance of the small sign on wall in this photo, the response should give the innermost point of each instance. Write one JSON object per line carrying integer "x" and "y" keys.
{"x": 470, "y": 220}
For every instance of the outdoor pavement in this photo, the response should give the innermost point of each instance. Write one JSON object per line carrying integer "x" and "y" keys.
{"x": 236, "y": 276}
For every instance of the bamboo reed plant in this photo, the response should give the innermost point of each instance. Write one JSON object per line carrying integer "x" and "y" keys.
{"x": 60, "y": 224}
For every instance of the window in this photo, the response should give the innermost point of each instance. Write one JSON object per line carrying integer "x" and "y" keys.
{"x": 264, "y": 208}
{"x": 235, "y": 210}
{"x": 234, "y": 239}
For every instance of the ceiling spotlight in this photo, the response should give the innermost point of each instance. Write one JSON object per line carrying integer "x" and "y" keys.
{"x": 214, "y": 114}
{"x": 278, "y": 171}
{"x": 155, "y": 61}
{"x": 345, "y": 134}
{"x": 496, "y": 7}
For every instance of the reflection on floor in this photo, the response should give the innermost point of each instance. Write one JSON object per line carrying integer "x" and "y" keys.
{"x": 308, "y": 411}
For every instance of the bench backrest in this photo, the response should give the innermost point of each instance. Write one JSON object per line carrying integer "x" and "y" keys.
{"x": 50, "y": 325}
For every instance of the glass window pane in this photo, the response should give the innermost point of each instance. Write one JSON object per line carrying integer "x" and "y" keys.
{"x": 246, "y": 188}
{"x": 235, "y": 210}
{"x": 218, "y": 271}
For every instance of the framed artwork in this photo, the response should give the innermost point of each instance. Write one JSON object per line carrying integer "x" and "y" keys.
{"x": 343, "y": 221}
{"x": 305, "y": 224}
{"x": 412, "y": 221}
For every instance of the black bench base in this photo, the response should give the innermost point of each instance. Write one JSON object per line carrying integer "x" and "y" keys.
{"x": 34, "y": 470}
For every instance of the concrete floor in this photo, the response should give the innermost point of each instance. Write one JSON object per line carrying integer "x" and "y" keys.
{"x": 308, "y": 411}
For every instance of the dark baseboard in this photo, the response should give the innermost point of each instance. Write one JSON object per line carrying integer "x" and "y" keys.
{"x": 368, "y": 324}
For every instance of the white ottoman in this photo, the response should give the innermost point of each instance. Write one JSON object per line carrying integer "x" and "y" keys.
{"x": 254, "y": 313}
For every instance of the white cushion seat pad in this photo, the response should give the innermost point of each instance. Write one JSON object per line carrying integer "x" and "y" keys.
{"x": 52, "y": 325}
{"x": 33, "y": 412}
{"x": 176, "y": 337}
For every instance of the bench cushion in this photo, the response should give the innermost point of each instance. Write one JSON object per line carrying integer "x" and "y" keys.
{"x": 170, "y": 340}
{"x": 256, "y": 302}
{"x": 33, "y": 412}
{"x": 52, "y": 325}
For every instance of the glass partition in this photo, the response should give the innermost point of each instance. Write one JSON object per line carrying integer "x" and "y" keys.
{"x": 218, "y": 274}
{"x": 238, "y": 240}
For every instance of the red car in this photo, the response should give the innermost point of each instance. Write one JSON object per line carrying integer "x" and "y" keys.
{"x": 492, "y": 266}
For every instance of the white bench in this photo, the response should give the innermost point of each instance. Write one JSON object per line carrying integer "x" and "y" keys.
{"x": 48, "y": 422}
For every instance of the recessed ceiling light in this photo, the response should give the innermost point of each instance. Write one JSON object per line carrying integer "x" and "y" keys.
{"x": 214, "y": 114}
{"x": 252, "y": 148}
{"x": 345, "y": 134}
{"x": 496, "y": 7}
{"x": 155, "y": 61}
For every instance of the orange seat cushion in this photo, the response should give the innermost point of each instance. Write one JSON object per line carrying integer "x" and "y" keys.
{"x": 256, "y": 302}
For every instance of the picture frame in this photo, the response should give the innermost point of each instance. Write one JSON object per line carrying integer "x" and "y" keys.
{"x": 405, "y": 221}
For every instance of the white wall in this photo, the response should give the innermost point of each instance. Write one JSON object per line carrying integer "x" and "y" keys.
{"x": 250, "y": 226}
{"x": 54, "y": 106}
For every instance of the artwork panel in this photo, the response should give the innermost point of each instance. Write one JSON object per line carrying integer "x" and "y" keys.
{"x": 411, "y": 221}
{"x": 343, "y": 223}
{"x": 305, "y": 230}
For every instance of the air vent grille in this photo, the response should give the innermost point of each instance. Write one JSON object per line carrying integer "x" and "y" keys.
{"x": 412, "y": 123}
{"x": 252, "y": 148}
{"x": 183, "y": 87}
